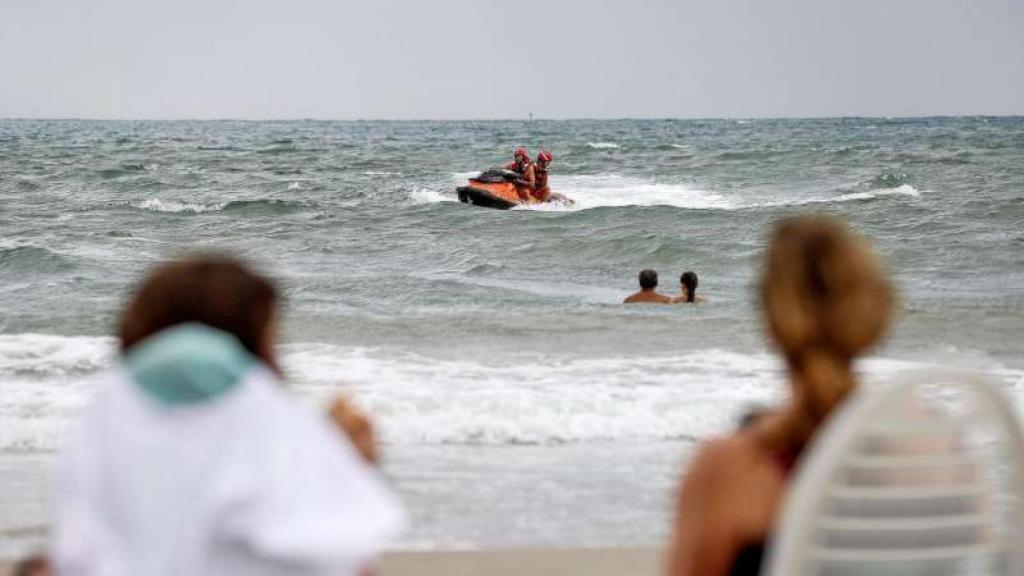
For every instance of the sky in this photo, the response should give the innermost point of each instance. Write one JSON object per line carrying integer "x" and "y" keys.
{"x": 483, "y": 59}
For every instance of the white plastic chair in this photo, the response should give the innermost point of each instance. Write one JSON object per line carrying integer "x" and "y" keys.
{"x": 924, "y": 476}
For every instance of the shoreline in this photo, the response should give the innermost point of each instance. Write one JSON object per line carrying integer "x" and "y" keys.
{"x": 626, "y": 561}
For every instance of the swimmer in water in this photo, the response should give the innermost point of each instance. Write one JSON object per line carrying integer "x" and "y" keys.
{"x": 647, "y": 293}
{"x": 688, "y": 288}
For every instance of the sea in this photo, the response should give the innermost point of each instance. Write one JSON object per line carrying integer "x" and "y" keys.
{"x": 519, "y": 403}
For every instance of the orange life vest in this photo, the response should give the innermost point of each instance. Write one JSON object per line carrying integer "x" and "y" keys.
{"x": 540, "y": 177}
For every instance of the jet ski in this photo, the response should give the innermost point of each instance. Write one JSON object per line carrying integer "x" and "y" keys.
{"x": 494, "y": 188}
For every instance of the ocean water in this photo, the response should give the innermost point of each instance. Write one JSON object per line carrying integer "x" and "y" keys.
{"x": 519, "y": 402}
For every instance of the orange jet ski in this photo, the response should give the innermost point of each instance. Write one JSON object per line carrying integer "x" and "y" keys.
{"x": 494, "y": 188}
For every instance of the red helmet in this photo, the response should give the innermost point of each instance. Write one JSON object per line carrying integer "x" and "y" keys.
{"x": 545, "y": 156}
{"x": 521, "y": 153}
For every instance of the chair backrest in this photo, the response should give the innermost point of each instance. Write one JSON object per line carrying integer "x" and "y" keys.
{"x": 923, "y": 476}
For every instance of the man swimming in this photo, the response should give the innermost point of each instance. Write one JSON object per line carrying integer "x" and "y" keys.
{"x": 648, "y": 294}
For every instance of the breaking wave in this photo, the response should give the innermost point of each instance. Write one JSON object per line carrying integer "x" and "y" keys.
{"x": 417, "y": 399}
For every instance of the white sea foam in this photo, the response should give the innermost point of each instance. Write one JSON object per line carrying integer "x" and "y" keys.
{"x": 294, "y": 186}
{"x": 428, "y": 196}
{"x": 158, "y": 205}
{"x": 44, "y": 381}
{"x": 462, "y": 177}
{"x": 47, "y": 355}
{"x": 594, "y": 191}
{"x": 904, "y": 190}
{"x": 417, "y": 399}
{"x": 614, "y": 190}
{"x": 611, "y": 190}
{"x": 602, "y": 145}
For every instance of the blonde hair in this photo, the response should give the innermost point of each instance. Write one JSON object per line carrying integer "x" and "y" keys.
{"x": 827, "y": 300}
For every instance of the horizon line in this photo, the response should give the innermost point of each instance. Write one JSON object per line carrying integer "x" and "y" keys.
{"x": 510, "y": 119}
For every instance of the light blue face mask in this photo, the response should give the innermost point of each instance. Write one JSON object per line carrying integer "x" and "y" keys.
{"x": 188, "y": 364}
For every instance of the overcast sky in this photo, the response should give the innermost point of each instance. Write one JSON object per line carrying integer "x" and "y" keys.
{"x": 487, "y": 59}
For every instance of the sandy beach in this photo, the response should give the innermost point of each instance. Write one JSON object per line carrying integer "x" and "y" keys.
{"x": 535, "y": 561}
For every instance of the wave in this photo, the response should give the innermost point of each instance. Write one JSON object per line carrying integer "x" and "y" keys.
{"x": 214, "y": 148}
{"x": 122, "y": 170}
{"x": 263, "y": 205}
{"x": 602, "y": 145}
{"x": 172, "y": 206}
{"x": 43, "y": 355}
{"x": 27, "y": 259}
{"x": 731, "y": 155}
{"x": 903, "y": 190}
{"x": 270, "y": 206}
{"x": 417, "y": 399}
{"x": 671, "y": 147}
{"x": 958, "y": 159}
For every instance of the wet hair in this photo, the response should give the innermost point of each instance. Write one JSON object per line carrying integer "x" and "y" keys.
{"x": 648, "y": 279}
{"x": 689, "y": 279}
{"x": 214, "y": 290}
{"x": 827, "y": 300}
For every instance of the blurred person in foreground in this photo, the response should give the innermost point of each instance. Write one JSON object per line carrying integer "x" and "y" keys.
{"x": 36, "y": 565}
{"x": 826, "y": 301}
{"x": 193, "y": 459}
{"x": 357, "y": 426}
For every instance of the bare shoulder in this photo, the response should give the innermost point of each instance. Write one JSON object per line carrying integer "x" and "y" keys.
{"x": 717, "y": 459}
